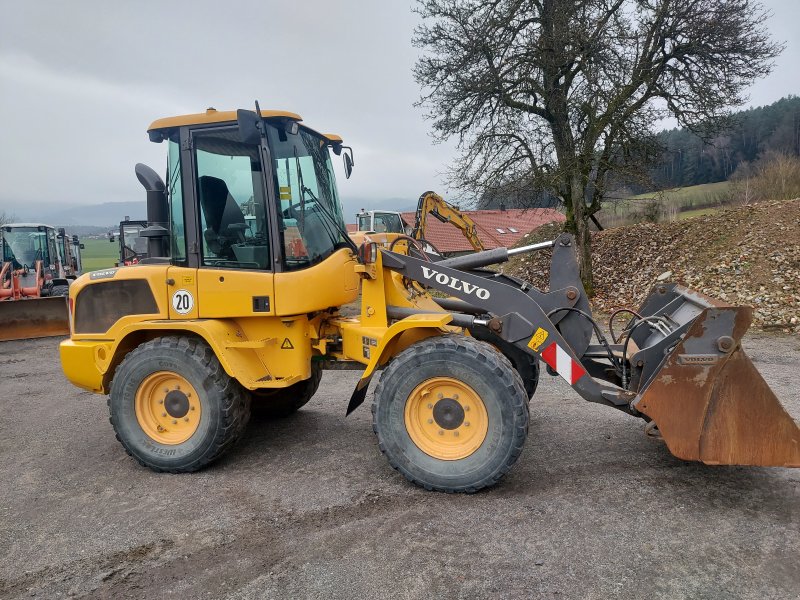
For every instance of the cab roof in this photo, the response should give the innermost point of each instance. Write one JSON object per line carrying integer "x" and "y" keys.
{"x": 213, "y": 115}
{"x": 28, "y": 225}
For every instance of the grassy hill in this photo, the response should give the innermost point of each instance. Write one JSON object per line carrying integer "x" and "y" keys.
{"x": 666, "y": 205}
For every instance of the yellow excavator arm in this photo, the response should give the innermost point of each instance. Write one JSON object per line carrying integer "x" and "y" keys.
{"x": 431, "y": 203}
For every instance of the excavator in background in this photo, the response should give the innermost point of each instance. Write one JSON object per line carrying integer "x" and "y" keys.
{"x": 39, "y": 263}
{"x": 429, "y": 203}
{"x": 235, "y": 306}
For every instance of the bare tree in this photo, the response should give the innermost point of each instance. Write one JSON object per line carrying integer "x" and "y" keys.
{"x": 5, "y": 218}
{"x": 555, "y": 95}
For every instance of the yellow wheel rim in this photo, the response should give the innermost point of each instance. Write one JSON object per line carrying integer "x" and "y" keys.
{"x": 167, "y": 408}
{"x": 446, "y": 418}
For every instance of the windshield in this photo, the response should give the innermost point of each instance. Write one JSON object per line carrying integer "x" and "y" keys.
{"x": 311, "y": 218}
{"x": 388, "y": 223}
{"x": 24, "y": 246}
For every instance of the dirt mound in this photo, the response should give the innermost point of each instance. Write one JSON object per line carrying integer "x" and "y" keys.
{"x": 746, "y": 255}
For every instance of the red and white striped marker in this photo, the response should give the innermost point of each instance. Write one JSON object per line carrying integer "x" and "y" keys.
{"x": 561, "y": 362}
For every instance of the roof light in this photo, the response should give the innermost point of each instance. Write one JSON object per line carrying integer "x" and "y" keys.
{"x": 512, "y": 230}
{"x": 500, "y": 230}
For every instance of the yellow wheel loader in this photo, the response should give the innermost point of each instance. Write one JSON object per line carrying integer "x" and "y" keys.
{"x": 240, "y": 301}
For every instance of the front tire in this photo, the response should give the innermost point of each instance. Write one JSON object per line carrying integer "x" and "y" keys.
{"x": 173, "y": 407}
{"x": 451, "y": 414}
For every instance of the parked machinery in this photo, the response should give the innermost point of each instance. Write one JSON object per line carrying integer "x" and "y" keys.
{"x": 39, "y": 263}
{"x": 246, "y": 308}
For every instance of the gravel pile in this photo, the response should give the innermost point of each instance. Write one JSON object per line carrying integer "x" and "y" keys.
{"x": 746, "y": 255}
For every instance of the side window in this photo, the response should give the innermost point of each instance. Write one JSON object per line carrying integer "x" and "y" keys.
{"x": 175, "y": 194}
{"x": 233, "y": 219}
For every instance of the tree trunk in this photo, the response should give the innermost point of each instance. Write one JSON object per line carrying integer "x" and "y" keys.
{"x": 578, "y": 225}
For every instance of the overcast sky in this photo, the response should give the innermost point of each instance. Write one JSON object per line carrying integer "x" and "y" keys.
{"x": 80, "y": 82}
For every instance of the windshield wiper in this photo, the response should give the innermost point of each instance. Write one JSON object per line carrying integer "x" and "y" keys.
{"x": 333, "y": 220}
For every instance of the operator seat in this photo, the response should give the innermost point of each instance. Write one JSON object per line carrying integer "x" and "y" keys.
{"x": 220, "y": 211}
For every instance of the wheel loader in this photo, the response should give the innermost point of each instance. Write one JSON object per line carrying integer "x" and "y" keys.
{"x": 38, "y": 265}
{"x": 242, "y": 300}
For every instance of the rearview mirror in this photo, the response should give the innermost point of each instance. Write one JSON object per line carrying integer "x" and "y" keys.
{"x": 348, "y": 162}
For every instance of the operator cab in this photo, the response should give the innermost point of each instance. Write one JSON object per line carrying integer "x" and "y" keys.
{"x": 25, "y": 244}
{"x": 264, "y": 203}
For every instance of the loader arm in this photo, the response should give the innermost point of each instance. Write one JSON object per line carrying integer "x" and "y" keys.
{"x": 521, "y": 317}
{"x": 433, "y": 204}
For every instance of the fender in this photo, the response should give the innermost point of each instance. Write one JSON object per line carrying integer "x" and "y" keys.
{"x": 432, "y": 324}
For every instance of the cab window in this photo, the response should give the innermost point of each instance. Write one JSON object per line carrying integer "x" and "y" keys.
{"x": 233, "y": 218}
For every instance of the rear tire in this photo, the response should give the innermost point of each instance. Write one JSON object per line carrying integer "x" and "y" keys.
{"x": 59, "y": 290}
{"x": 283, "y": 402}
{"x": 451, "y": 414}
{"x": 173, "y": 407}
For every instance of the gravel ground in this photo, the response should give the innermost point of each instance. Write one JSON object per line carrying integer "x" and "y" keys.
{"x": 307, "y": 507}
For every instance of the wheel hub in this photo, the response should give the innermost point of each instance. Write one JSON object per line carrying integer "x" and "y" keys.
{"x": 176, "y": 404}
{"x": 448, "y": 414}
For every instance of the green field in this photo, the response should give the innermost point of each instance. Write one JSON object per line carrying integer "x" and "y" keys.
{"x": 692, "y": 196}
{"x": 668, "y": 205}
{"x": 99, "y": 254}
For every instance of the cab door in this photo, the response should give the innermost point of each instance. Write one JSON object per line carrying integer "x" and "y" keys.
{"x": 235, "y": 276}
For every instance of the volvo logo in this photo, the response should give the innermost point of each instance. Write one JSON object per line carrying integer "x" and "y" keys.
{"x": 455, "y": 283}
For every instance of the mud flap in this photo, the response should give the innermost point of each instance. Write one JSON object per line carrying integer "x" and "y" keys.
{"x": 33, "y": 318}
{"x": 359, "y": 394}
{"x": 711, "y": 404}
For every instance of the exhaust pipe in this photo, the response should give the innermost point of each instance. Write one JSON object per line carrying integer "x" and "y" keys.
{"x": 157, "y": 230}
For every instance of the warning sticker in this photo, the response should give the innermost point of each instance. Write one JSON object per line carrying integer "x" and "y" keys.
{"x": 538, "y": 339}
{"x": 287, "y": 344}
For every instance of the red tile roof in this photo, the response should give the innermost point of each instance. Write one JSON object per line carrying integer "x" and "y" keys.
{"x": 448, "y": 238}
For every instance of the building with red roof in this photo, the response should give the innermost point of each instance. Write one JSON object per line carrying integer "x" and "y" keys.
{"x": 496, "y": 228}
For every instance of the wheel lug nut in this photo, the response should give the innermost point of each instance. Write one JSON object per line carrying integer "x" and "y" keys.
{"x": 466, "y": 408}
{"x": 441, "y": 432}
{"x": 455, "y": 396}
{"x": 186, "y": 419}
{"x": 177, "y": 387}
{"x": 466, "y": 423}
{"x": 188, "y": 394}
{"x": 193, "y": 408}
{"x": 430, "y": 405}
{"x": 161, "y": 402}
{"x": 166, "y": 390}
{"x": 174, "y": 421}
{"x": 455, "y": 434}
{"x": 163, "y": 414}
{"x": 440, "y": 395}
{"x": 430, "y": 421}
